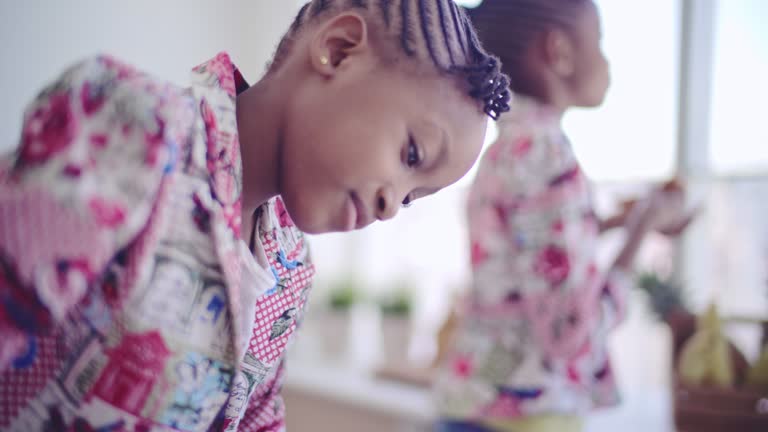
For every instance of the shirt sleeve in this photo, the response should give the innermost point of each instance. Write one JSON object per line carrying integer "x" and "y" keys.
{"x": 617, "y": 285}
{"x": 96, "y": 146}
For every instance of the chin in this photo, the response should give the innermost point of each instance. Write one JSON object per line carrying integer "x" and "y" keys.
{"x": 307, "y": 225}
{"x": 594, "y": 102}
{"x": 309, "y": 222}
{"x": 308, "y": 215}
{"x": 313, "y": 229}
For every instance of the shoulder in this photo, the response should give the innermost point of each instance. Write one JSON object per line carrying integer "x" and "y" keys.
{"x": 101, "y": 108}
{"x": 101, "y": 132}
{"x": 521, "y": 161}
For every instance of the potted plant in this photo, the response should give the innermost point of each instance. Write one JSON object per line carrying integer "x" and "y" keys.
{"x": 667, "y": 302}
{"x": 343, "y": 295}
{"x": 396, "y": 310}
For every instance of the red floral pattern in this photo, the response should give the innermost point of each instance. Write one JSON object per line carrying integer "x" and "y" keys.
{"x": 535, "y": 328}
{"x": 87, "y": 203}
{"x": 553, "y": 265}
{"x": 49, "y": 130}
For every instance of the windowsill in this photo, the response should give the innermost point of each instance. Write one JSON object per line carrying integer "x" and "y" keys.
{"x": 355, "y": 389}
{"x": 359, "y": 389}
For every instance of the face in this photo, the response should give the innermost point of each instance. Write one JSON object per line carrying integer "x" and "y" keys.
{"x": 591, "y": 76}
{"x": 371, "y": 137}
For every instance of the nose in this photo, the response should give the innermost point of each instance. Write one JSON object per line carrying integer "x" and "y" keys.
{"x": 386, "y": 203}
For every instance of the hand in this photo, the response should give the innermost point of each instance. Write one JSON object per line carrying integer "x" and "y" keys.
{"x": 661, "y": 196}
{"x": 677, "y": 228}
{"x": 663, "y": 210}
{"x": 667, "y": 204}
{"x": 672, "y": 218}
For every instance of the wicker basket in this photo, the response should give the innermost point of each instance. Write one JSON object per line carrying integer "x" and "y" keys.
{"x": 711, "y": 409}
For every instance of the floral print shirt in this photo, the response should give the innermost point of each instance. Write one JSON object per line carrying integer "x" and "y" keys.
{"x": 532, "y": 338}
{"x": 128, "y": 301}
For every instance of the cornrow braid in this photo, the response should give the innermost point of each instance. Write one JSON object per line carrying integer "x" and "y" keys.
{"x": 459, "y": 29}
{"x": 444, "y": 27}
{"x": 406, "y": 32}
{"x": 299, "y": 18}
{"x": 385, "y": 6}
{"x": 320, "y": 6}
{"x": 285, "y": 43}
{"x": 427, "y": 30}
{"x": 434, "y": 29}
{"x": 508, "y": 27}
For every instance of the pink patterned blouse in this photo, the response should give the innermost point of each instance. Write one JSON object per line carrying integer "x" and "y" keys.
{"x": 532, "y": 340}
{"x": 128, "y": 301}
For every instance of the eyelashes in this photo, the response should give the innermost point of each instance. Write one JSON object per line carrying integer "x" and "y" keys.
{"x": 413, "y": 159}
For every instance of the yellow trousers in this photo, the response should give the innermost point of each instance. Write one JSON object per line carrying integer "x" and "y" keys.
{"x": 548, "y": 423}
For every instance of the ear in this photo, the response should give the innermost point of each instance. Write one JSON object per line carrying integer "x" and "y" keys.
{"x": 337, "y": 41}
{"x": 560, "y": 52}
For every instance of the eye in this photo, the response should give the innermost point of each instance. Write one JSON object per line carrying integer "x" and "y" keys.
{"x": 412, "y": 158}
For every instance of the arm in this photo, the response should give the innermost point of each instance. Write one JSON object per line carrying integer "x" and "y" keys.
{"x": 639, "y": 223}
{"x": 641, "y": 219}
{"x": 672, "y": 192}
{"x": 612, "y": 222}
{"x": 80, "y": 187}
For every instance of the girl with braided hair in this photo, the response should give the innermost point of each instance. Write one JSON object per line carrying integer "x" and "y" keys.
{"x": 529, "y": 353}
{"x": 153, "y": 265}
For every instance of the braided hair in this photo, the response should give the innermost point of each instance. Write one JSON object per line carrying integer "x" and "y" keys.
{"x": 431, "y": 29}
{"x": 508, "y": 28}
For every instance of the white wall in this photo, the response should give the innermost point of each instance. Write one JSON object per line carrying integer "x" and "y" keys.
{"x": 39, "y": 38}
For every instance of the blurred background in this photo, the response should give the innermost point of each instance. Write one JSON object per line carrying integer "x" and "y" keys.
{"x": 688, "y": 99}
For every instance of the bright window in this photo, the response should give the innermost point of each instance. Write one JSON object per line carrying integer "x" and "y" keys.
{"x": 739, "y": 136}
{"x": 633, "y": 135}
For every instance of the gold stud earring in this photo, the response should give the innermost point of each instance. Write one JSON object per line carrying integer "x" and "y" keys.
{"x": 323, "y": 60}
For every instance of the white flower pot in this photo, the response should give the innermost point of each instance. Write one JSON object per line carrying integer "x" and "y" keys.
{"x": 396, "y": 339}
{"x": 334, "y": 330}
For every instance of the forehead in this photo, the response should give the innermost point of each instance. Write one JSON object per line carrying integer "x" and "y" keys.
{"x": 442, "y": 96}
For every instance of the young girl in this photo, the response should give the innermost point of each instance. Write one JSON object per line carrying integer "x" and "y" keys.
{"x": 151, "y": 275}
{"x": 530, "y": 353}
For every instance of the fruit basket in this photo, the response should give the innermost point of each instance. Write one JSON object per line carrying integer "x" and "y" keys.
{"x": 707, "y": 409}
{"x": 715, "y": 388}
{"x": 703, "y": 407}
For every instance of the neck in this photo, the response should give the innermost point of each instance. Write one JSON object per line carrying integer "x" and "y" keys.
{"x": 546, "y": 91}
{"x": 556, "y": 97}
{"x": 259, "y": 121}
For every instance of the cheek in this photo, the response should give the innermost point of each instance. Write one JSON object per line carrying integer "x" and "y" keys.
{"x": 467, "y": 150}
{"x": 594, "y": 83}
{"x": 600, "y": 62}
{"x": 311, "y": 152}
{"x": 604, "y": 72}
{"x": 318, "y": 172}
{"x": 299, "y": 185}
